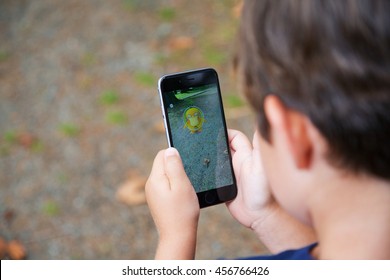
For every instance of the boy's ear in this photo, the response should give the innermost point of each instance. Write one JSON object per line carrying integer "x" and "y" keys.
{"x": 291, "y": 129}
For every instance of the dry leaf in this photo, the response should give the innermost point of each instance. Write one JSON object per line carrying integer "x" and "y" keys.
{"x": 9, "y": 215}
{"x": 132, "y": 191}
{"x": 3, "y": 248}
{"x": 26, "y": 140}
{"x": 159, "y": 127}
{"x": 181, "y": 43}
{"x": 16, "y": 250}
{"x": 236, "y": 11}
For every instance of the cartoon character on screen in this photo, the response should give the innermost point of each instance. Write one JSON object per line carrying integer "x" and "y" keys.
{"x": 193, "y": 119}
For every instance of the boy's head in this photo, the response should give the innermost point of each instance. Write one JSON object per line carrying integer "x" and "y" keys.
{"x": 326, "y": 60}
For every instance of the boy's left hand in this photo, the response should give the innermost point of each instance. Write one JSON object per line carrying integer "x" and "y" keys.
{"x": 173, "y": 202}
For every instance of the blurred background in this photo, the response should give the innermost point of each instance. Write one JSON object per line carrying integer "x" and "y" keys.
{"x": 80, "y": 122}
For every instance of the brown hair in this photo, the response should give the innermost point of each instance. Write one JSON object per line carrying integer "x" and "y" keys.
{"x": 329, "y": 59}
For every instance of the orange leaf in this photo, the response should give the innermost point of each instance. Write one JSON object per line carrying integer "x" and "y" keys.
{"x": 26, "y": 140}
{"x": 236, "y": 11}
{"x": 181, "y": 43}
{"x": 159, "y": 126}
{"x": 3, "y": 248}
{"x": 16, "y": 250}
{"x": 132, "y": 191}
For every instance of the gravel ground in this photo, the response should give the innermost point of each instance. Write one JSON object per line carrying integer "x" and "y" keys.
{"x": 80, "y": 115}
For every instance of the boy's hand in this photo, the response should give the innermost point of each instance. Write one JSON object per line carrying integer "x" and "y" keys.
{"x": 255, "y": 206}
{"x": 254, "y": 200}
{"x": 174, "y": 206}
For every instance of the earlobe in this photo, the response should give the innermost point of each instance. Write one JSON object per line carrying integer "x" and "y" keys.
{"x": 291, "y": 129}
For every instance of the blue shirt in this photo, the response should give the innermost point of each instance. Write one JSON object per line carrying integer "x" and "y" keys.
{"x": 296, "y": 254}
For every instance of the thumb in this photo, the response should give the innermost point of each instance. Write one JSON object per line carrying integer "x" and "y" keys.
{"x": 174, "y": 169}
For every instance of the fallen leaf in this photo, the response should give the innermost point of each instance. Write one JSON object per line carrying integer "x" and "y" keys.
{"x": 132, "y": 191}
{"x": 26, "y": 140}
{"x": 16, "y": 250}
{"x": 181, "y": 43}
{"x": 236, "y": 10}
{"x": 9, "y": 215}
{"x": 159, "y": 127}
{"x": 3, "y": 248}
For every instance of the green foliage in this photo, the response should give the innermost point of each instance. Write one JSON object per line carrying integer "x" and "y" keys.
{"x": 167, "y": 14}
{"x": 88, "y": 59}
{"x": 160, "y": 58}
{"x": 116, "y": 117}
{"x": 214, "y": 56}
{"x": 131, "y": 4}
{"x": 4, "y": 55}
{"x": 10, "y": 137}
{"x": 51, "y": 208}
{"x": 4, "y": 150}
{"x": 37, "y": 146}
{"x": 69, "y": 129}
{"x": 26, "y": 140}
{"x": 109, "y": 97}
{"x": 62, "y": 178}
{"x": 144, "y": 79}
{"x": 234, "y": 101}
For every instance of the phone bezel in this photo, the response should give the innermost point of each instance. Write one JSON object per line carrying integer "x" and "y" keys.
{"x": 194, "y": 78}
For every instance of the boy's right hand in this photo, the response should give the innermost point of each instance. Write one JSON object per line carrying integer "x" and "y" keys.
{"x": 254, "y": 200}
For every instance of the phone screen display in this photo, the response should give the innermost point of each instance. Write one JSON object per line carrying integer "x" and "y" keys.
{"x": 197, "y": 129}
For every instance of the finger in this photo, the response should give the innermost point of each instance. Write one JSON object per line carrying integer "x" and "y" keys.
{"x": 158, "y": 165}
{"x": 174, "y": 169}
{"x": 256, "y": 140}
{"x": 238, "y": 140}
{"x": 157, "y": 175}
{"x": 257, "y": 166}
{"x": 231, "y": 134}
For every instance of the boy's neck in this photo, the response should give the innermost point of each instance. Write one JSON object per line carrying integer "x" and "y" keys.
{"x": 351, "y": 215}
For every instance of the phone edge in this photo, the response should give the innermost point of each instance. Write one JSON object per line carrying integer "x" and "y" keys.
{"x": 163, "y": 110}
{"x": 202, "y": 202}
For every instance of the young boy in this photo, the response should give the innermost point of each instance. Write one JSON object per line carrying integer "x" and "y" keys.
{"x": 316, "y": 179}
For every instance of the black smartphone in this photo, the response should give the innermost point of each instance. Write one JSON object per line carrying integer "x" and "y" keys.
{"x": 195, "y": 125}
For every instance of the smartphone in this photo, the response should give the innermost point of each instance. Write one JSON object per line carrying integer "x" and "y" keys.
{"x": 195, "y": 125}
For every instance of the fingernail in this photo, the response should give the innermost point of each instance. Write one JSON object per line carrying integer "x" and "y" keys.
{"x": 171, "y": 152}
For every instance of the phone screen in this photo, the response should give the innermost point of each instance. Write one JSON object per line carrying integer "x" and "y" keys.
{"x": 197, "y": 129}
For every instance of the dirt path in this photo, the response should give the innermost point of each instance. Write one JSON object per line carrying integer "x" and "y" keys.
{"x": 80, "y": 114}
